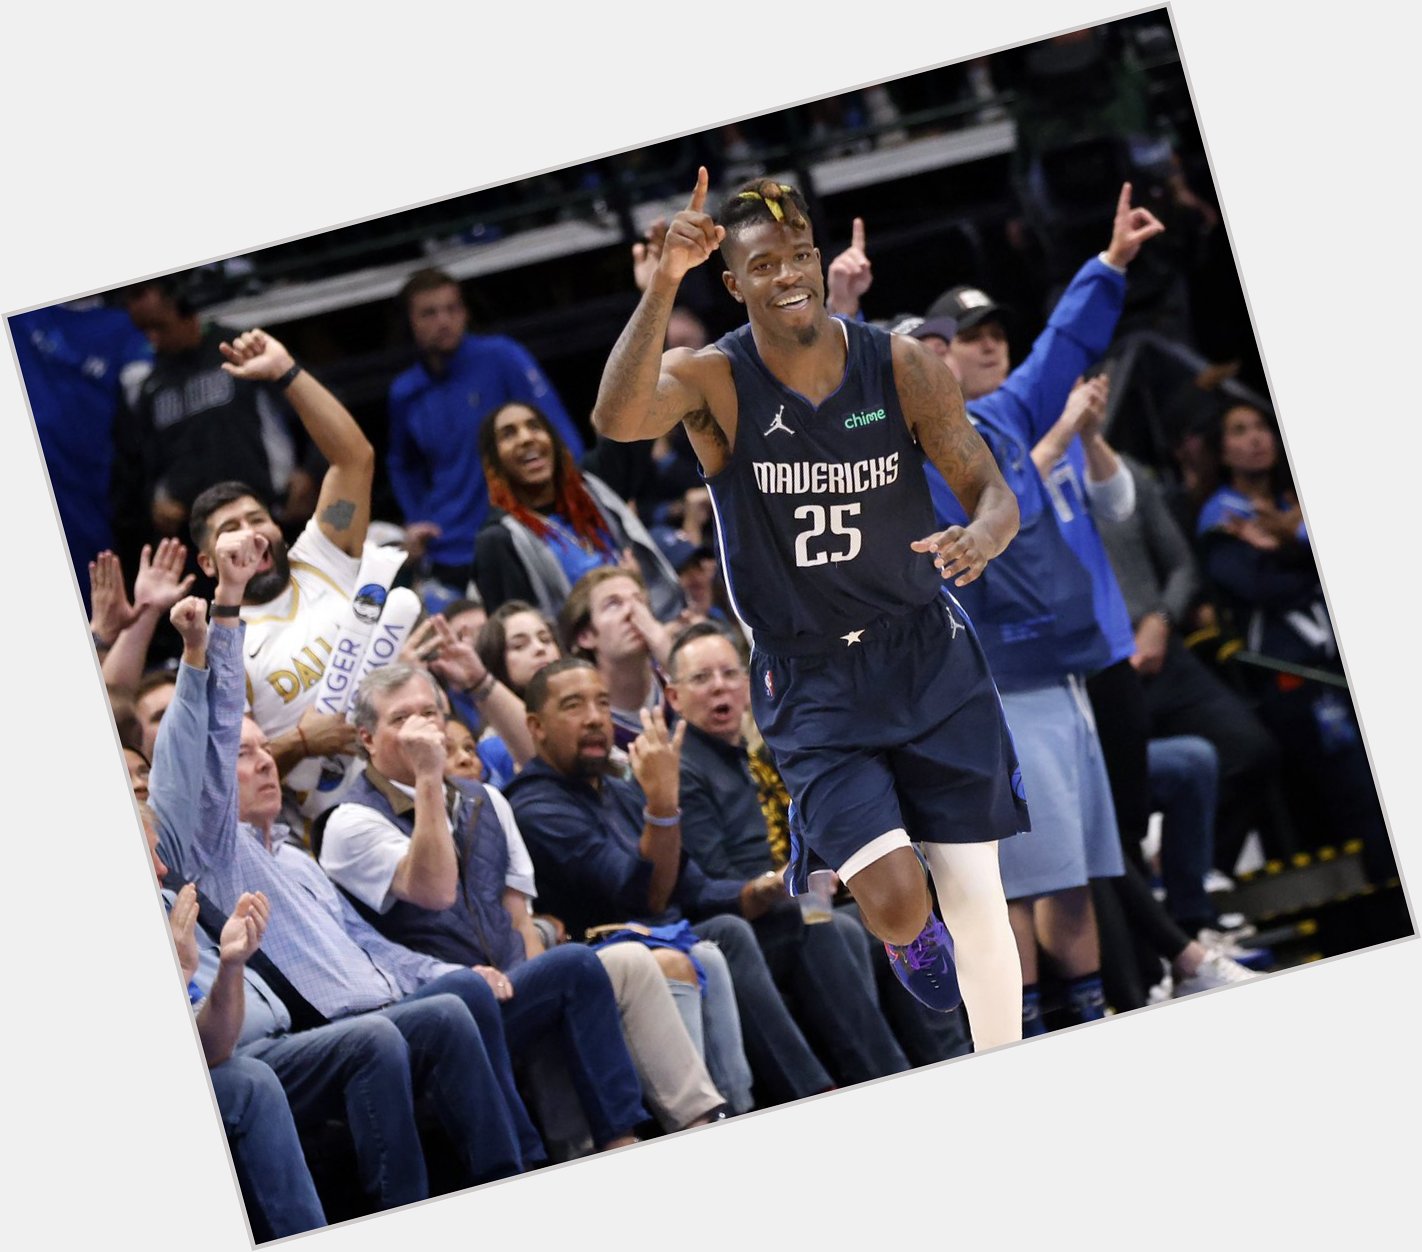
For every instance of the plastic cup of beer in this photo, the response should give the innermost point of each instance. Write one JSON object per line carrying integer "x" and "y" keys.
{"x": 817, "y": 903}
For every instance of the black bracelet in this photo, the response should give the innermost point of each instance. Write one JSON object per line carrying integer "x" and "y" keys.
{"x": 481, "y": 690}
{"x": 284, "y": 381}
{"x": 102, "y": 645}
{"x": 225, "y": 610}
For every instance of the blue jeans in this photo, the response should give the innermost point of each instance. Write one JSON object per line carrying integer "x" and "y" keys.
{"x": 1184, "y": 786}
{"x": 266, "y": 1151}
{"x": 368, "y": 1068}
{"x": 781, "y": 1060}
{"x": 725, "y": 1046}
{"x": 566, "y": 991}
{"x": 516, "y": 1127}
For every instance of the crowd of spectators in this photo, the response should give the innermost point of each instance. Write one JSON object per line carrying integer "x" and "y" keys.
{"x": 517, "y": 897}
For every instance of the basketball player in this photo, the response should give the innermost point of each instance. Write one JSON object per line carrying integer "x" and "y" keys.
{"x": 867, "y": 682}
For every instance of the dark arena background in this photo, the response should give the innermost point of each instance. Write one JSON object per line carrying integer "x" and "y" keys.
{"x": 1001, "y": 173}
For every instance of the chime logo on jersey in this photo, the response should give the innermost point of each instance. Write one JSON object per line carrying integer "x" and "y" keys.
{"x": 798, "y": 478}
{"x": 856, "y": 420}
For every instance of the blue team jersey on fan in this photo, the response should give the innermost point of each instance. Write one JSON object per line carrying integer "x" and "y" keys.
{"x": 818, "y": 504}
{"x": 1033, "y": 606}
{"x": 1035, "y": 602}
{"x": 75, "y": 362}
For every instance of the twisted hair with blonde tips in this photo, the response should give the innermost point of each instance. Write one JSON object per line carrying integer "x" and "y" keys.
{"x": 763, "y": 200}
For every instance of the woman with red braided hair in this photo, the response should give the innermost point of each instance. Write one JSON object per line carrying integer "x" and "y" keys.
{"x": 550, "y": 523}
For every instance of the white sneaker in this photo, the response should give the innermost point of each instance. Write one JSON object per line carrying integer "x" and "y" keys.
{"x": 1216, "y": 880}
{"x": 1162, "y": 991}
{"x": 1216, "y": 970}
{"x": 1227, "y": 943}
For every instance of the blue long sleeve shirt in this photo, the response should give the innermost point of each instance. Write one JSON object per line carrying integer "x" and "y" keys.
{"x": 433, "y": 459}
{"x": 584, "y": 844}
{"x": 330, "y": 954}
{"x": 76, "y": 364}
{"x": 1050, "y": 605}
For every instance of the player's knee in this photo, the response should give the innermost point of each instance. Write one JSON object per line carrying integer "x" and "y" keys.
{"x": 674, "y": 965}
{"x": 892, "y": 895}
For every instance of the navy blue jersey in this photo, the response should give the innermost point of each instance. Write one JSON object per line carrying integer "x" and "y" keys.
{"x": 816, "y": 506}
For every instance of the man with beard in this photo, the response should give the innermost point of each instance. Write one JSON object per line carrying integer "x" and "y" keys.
{"x": 294, "y": 603}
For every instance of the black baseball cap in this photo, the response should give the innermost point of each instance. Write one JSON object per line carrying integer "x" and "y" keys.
{"x": 916, "y": 327}
{"x": 967, "y": 306}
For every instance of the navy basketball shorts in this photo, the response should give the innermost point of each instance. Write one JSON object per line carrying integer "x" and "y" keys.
{"x": 899, "y": 730}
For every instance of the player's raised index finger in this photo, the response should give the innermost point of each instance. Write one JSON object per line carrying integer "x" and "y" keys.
{"x": 1123, "y": 204}
{"x": 856, "y": 234}
{"x": 698, "y": 197}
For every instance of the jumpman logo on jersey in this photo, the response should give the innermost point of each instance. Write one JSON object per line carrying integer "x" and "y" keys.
{"x": 779, "y": 424}
{"x": 954, "y": 623}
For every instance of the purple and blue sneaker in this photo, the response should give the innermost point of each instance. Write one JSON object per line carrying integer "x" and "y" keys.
{"x": 926, "y": 967}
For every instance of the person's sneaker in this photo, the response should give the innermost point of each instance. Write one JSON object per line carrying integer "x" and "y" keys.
{"x": 1224, "y": 943}
{"x": 1236, "y": 925}
{"x": 1162, "y": 991}
{"x": 1216, "y": 970}
{"x": 926, "y": 969}
{"x": 1217, "y": 880}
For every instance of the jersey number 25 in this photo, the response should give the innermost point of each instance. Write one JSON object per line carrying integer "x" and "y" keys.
{"x": 815, "y": 515}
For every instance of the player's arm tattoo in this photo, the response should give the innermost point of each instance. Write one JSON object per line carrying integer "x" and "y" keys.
{"x": 933, "y": 407}
{"x": 339, "y": 514}
{"x": 629, "y": 401}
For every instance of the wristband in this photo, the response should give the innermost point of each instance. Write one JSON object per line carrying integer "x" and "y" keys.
{"x": 301, "y": 734}
{"x": 284, "y": 381}
{"x": 102, "y": 644}
{"x": 482, "y": 689}
{"x": 224, "y": 610}
{"x": 652, "y": 820}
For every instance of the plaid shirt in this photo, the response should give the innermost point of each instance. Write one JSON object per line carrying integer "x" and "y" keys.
{"x": 331, "y": 955}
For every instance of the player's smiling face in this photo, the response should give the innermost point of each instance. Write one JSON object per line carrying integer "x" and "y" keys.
{"x": 775, "y": 271}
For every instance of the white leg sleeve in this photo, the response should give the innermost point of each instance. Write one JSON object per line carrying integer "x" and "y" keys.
{"x": 975, "y": 912}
